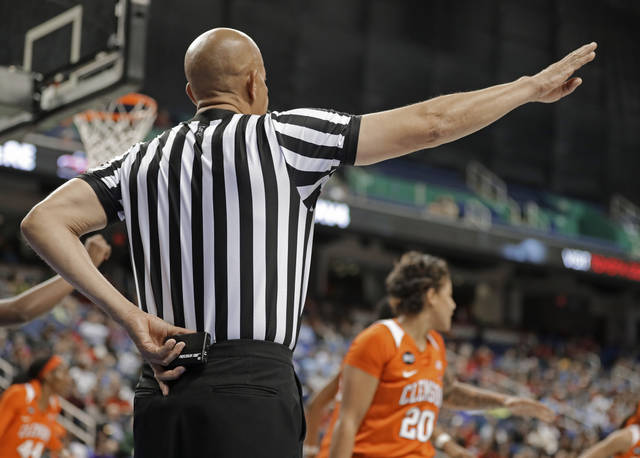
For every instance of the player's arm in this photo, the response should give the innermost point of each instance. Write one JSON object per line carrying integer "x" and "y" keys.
{"x": 314, "y": 411}
{"x": 358, "y": 389}
{"x": 447, "y": 118}
{"x": 463, "y": 396}
{"x": 41, "y": 298}
{"x": 617, "y": 442}
{"x": 53, "y": 228}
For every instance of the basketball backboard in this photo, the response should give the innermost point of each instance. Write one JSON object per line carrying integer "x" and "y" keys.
{"x": 65, "y": 56}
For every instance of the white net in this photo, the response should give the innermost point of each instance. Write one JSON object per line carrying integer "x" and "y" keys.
{"x": 110, "y": 132}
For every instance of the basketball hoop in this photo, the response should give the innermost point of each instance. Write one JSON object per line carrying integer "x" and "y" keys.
{"x": 110, "y": 132}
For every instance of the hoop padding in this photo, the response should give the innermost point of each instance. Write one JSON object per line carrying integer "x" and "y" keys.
{"x": 110, "y": 132}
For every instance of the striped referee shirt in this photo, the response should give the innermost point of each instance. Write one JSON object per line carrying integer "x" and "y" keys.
{"x": 219, "y": 212}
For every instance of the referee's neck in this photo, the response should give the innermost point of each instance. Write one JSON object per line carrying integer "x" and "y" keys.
{"x": 241, "y": 108}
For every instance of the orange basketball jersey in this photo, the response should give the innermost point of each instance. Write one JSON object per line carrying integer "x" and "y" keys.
{"x": 634, "y": 423}
{"x": 405, "y": 407}
{"x": 25, "y": 430}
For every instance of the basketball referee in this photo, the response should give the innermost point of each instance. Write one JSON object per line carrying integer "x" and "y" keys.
{"x": 219, "y": 211}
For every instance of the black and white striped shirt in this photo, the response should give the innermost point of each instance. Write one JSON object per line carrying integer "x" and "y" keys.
{"x": 219, "y": 211}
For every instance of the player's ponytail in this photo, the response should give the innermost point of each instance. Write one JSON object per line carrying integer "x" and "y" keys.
{"x": 411, "y": 277}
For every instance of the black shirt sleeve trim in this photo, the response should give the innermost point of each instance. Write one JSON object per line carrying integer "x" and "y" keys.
{"x": 105, "y": 197}
{"x": 351, "y": 141}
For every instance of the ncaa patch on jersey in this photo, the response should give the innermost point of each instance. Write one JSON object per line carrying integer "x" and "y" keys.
{"x": 439, "y": 365}
{"x": 408, "y": 358}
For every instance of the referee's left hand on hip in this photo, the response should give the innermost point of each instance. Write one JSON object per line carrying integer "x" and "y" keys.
{"x": 149, "y": 332}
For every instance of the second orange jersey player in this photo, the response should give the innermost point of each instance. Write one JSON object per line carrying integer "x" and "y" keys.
{"x": 29, "y": 411}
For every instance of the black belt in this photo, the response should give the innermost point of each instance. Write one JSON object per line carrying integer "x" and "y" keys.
{"x": 225, "y": 350}
{"x": 239, "y": 348}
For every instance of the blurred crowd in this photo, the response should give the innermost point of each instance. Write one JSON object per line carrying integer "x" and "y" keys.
{"x": 104, "y": 364}
{"x": 592, "y": 389}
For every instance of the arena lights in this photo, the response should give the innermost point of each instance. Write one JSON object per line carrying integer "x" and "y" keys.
{"x": 71, "y": 165}
{"x": 598, "y": 264}
{"x": 16, "y": 155}
{"x": 576, "y": 259}
{"x": 332, "y": 213}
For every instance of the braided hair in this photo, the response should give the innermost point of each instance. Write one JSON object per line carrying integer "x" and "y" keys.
{"x": 411, "y": 277}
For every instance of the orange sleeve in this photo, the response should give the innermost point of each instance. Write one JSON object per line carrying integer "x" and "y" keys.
{"x": 10, "y": 403}
{"x": 371, "y": 350}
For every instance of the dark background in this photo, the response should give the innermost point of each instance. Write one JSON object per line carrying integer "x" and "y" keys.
{"x": 361, "y": 56}
{"x": 368, "y": 55}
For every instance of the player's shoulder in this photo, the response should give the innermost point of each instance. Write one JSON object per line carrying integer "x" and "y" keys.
{"x": 384, "y": 331}
{"x": 437, "y": 339}
{"x": 372, "y": 349}
{"x": 19, "y": 393}
{"x": 381, "y": 337}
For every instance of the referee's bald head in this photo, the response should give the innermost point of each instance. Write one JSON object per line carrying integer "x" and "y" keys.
{"x": 224, "y": 67}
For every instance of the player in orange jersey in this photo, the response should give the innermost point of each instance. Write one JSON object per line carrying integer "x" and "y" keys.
{"x": 624, "y": 443}
{"x": 394, "y": 380}
{"x": 316, "y": 408}
{"x": 323, "y": 398}
{"x": 41, "y": 298}
{"x": 28, "y": 411}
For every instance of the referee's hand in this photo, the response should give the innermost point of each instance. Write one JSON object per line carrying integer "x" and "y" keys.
{"x": 149, "y": 332}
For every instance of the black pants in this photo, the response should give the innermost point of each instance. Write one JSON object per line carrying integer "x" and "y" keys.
{"x": 245, "y": 403}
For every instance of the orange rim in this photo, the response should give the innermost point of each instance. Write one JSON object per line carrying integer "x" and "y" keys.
{"x": 131, "y": 99}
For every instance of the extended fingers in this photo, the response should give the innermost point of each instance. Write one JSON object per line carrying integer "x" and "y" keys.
{"x": 536, "y": 409}
{"x": 166, "y": 375}
{"x": 583, "y": 50}
{"x": 162, "y": 376}
{"x": 174, "y": 350}
{"x": 166, "y": 353}
{"x": 583, "y": 55}
{"x": 547, "y": 414}
{"x": 175, "y": 330}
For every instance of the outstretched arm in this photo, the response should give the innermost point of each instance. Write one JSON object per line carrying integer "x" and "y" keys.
{"x": 53, "y": 228}
{"x": 41, "y": 298}
{"x": 440, "y": 120}
{"x": 462, "y": 396}
{"x": 617, "y": 442}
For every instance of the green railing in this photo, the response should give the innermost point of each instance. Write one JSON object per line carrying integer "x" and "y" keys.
{"x": 560, "y": 215}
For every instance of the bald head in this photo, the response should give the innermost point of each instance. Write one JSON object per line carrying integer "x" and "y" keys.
{"x": 222, "y": 64}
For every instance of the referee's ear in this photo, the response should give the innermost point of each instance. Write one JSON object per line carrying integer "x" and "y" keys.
{"x": 190, "y": 94}
{"x": 252, "y": 87}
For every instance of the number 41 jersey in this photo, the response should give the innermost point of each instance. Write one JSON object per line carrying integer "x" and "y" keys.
{"x": 405, "y": 406}
{"x": 25, "y": 430}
